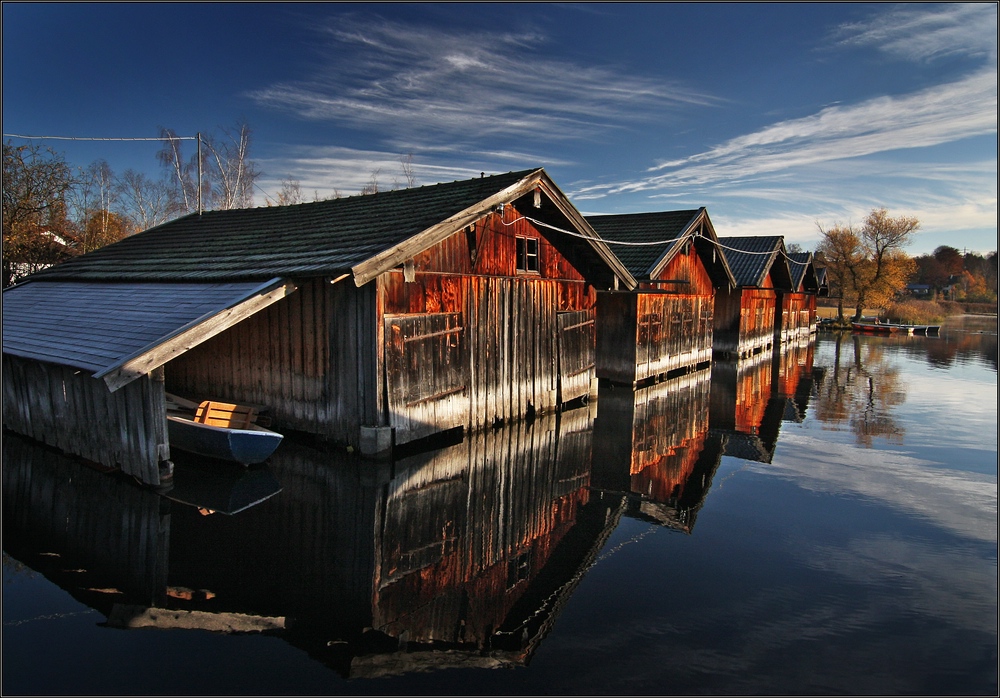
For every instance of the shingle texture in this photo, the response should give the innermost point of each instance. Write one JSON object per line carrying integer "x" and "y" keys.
{"x": 751, "y": 258}
{"x": 98, "y": 326}
{"x": 664, "y": 227}
{"x": 314, "y": 239}
{"x": 798, "y": 264}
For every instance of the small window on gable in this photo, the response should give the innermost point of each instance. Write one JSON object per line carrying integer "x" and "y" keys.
{"x": 527, "y": 254}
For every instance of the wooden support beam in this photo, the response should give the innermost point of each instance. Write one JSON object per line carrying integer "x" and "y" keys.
{"x": 153, "y": 357}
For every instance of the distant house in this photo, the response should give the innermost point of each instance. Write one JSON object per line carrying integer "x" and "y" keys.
{"x": 920, "y": 290}
{"x": 368, "y": 320}
{"x": 797, "y": 314}
{"x": 664, "y": 325}
{"x": 49, "y": 249}
{"x": 745, "y": 314}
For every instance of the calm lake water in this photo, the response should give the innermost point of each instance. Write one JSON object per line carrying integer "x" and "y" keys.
{"x": 819, "y": 522}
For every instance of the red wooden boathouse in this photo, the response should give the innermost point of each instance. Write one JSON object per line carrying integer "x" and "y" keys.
{"x": 368, "y": 320}
{"x": 664, "y": 325}
{"x": 745, "y": 314}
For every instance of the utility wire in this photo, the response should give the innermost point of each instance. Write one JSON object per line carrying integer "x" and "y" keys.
{"x": 85, "y": 138}
{"x": 655, "y": 242}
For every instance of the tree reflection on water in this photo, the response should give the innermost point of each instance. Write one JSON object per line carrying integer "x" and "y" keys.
{"x": 860, "y": 389}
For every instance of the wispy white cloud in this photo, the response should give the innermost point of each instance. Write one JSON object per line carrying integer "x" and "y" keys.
{"x": 329, "y": 170}
{"x": 936, "y": 115}
{"x": 345, "y": 171}
{"x": 963, "y": 503}
{"x": 410, "y": 83}
{"x": 920, "y": 32}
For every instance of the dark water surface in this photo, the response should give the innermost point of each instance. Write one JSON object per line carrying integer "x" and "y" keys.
{"x": 821, "y": 521}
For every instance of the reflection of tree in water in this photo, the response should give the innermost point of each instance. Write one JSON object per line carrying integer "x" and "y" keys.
{"x": 961, "y": 347}
{"x": 861, "y": 391}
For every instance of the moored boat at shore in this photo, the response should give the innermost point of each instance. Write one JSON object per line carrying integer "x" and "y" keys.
{"x": 894, "y": 328}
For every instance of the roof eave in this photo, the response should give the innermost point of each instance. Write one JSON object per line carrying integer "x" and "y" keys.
{"x": 584, "y": 228}
{"x": 392, "y": 257}
{"x": 141, "y": 362}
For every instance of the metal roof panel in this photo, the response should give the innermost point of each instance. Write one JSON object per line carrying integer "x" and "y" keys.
{"x": 98, "y": 326}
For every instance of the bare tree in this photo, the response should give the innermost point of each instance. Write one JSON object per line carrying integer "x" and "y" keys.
{"x": 406, "y": 161}
{"x": 144, "y": 200}
{"x": 234, "y": 173}
{"x": 228, "y": 175}
{"x": 372, "y": 186}
{"x": 335, "y": 195}
{"x": 290, "y": 192}
{"x": 184, "y": 173}
{"x": 93, "y": 199}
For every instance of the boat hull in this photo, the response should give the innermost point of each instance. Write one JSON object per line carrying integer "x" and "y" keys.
{"x": 246, "y": 446}
{"x": 894, "y": 328}
{"x": 872, "y": 328}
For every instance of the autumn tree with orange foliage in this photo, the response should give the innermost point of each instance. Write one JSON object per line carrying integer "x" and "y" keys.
{"x": 36, "y": 227}
{"x": 868, "y": 266}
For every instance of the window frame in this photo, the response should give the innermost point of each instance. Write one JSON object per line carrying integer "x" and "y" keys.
{"x": 527, "y": 254}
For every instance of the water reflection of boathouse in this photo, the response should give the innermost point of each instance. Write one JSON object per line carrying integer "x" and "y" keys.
{"x": 458, "y": 557}
{"x": 653, "y": 445}
{"x": 750, "y": 398}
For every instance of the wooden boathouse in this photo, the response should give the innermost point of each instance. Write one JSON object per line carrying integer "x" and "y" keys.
{"x": 369, "y": 320}
{"x": 663, "y": 326}
{"x": 797, "y": 317}
{"x": 745, "y": 314}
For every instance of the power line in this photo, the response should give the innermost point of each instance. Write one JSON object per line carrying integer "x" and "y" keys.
{"x": 654, "y": 242}
{"x": 88, "y": 138}
{"x": 196, "y": 137}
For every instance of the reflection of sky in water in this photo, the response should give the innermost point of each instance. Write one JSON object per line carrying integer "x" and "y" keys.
{"x": 963, "y": 503}
{"x": 796, "y": 584}
{"x": 879, "y": 561}
{"x": 948, "y": 416}
{"x": 836, "y": 568}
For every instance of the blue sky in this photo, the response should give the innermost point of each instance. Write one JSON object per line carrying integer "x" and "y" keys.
{"x": 775, "y": 117}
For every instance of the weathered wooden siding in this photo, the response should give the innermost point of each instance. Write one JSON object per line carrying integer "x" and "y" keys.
{"x": 512, "y": 344}
{"x": 795, "y": 318}
{"x": 426, "y": 376}
{"x": 310, "y": 358}
{"x": 65, "y": 408}
{"x": 672, "y": 328}
{"x": 687, "y": 266}
{"x": 575, "y": 351}
{"x": 744, "y": 320}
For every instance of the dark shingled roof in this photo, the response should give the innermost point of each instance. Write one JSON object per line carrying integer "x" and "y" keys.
{"x": 751, "y": 258}
{"x": 313, "y": 239}
{"x": 803, "y": 272}
{"x": 640, "y": 260}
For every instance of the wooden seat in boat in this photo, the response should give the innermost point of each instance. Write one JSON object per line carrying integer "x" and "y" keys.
{"x": 224, "y": 414}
